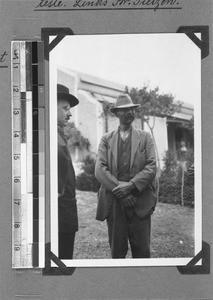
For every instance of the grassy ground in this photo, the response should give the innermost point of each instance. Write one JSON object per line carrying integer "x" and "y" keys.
{"x": 172, "y": 231}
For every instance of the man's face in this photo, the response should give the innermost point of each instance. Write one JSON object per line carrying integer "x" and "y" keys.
{"x": 126, "y": 115}
{"x": 64, "y": 113}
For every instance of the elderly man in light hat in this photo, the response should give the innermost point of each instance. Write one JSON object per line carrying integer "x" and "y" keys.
{"x": 126, "y": 168}
{"x": 67, "y": 208}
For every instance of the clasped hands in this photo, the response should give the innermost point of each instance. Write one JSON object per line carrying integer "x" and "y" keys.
{"x": 123, "y": 192}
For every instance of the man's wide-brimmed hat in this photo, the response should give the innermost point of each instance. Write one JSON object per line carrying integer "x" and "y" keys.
{"x": 123, "y": 101}
{"x": 63, "y": 93}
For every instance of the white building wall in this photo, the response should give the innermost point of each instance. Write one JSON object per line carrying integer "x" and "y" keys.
{"x": 137, "y": 123}
{"x": 113, "y": 123}
{"x": 89, "y": 122}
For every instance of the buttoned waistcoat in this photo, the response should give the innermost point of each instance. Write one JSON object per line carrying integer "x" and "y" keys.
{"x": 142, "y": 172}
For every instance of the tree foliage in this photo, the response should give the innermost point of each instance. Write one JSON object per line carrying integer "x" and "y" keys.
{"x": 152, "y": 103}
{"x": 75, "y": 138}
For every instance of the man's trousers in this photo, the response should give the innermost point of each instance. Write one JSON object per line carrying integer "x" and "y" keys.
{"x": 66, "y": 245}
{"x": 123, "y": 226}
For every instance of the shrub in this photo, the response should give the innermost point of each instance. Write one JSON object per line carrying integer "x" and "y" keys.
{"x": 86, "y": 181}
{"x": 170, "y": 187}
{"x": 75, "y": 138}
{"x": 170, "y": 181}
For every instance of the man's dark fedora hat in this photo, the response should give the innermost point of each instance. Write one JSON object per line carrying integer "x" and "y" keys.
{"x": 123, "y": 101}
{"x": 63, "y": 93}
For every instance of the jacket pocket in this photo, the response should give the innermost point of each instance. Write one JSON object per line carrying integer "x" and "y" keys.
{"x": 146, "y": 203}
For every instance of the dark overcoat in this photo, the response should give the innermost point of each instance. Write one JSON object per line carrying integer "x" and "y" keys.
{"x": 67, "y": 207}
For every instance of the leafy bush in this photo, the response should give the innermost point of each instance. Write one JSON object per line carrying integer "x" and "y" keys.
{"x": 75, "y": 138}
{"x": 170, "y": 186}
{"x": 86, "y": 181}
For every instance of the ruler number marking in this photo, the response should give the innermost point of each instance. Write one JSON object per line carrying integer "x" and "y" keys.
{"x": 17, "y": 225}
{"x": 17, "y": 180}
{"x": 17, "y": 248}
{"x": 17, "y": 157}
{"x": 15, "y": 54}
{"x": 16, "y": 89}
{"x": 16, "y": 135}
{"x": 16, "y": 112}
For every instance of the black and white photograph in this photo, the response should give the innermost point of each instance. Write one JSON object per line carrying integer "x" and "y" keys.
{"x": 125, "y": 150}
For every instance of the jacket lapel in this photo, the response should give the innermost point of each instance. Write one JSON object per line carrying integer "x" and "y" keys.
{"x": 113, "y": 143}
{"x": 134, "y": 145}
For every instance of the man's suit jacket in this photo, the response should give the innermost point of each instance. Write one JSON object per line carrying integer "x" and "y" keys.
{"x": 142, "y": 172}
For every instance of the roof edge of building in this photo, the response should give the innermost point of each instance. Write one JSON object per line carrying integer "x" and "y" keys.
{"x": 95, "y": 80}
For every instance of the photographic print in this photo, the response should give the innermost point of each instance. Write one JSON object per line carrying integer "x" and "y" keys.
{"x": 159, "y": 78}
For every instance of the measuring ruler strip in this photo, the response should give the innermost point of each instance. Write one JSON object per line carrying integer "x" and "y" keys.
{"x": 41, "y": 105}
{"x": 41, "y": 187}
{"x": 16, "y": 156}
{"x": 36, "y": 156}
{"x": 29, "y": 153}
{"x": 24, "y": 211}
{"x": 29, "y": 116}
{"x": 29, "y": 128}
{"x": 40, "y": 64}
{"x": 28, "y": 133}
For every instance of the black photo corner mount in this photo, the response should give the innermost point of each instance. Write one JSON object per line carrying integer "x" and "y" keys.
{"x": 204, "y": 254}
{"x": 59, "y": 34}
{"x": 61, "y": 268}
{"x": 203, "y": 42}
{"x": 192, "y": 269}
